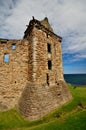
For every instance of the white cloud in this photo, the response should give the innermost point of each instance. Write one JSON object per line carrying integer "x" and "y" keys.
{"x": 75, "y": 43}
{"x": 78, "y": 57}
{"x": 67, "y": 17}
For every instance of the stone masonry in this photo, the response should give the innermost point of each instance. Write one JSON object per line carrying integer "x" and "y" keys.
{"x": 32, "y": 78}
{"x": 13, "y": 74}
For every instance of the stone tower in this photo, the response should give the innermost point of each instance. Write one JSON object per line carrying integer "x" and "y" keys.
{"x": 46, "y": 88}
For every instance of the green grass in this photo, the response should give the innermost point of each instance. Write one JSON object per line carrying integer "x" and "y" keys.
{"x": 70, "y": 116}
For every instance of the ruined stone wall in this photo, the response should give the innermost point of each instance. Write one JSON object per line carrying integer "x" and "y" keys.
{"x": 32, "y": 79}
{"x": 40, "y": 57}
{"x": 14, "y": 73}
{"x": 47, "y": 89}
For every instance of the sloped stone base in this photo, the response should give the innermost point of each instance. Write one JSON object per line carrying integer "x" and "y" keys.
{"x": 38, "y": 100}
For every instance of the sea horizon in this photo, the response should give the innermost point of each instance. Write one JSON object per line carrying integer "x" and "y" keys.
{"x": 76, "y": 79}
{"x": 74, "y": 73}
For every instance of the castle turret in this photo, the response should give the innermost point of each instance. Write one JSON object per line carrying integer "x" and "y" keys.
{"x": 46, "y": 88}
{"x": 45, "y": 23}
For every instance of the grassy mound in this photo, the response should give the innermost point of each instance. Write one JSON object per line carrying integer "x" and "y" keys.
{"x": 70, "y": 116}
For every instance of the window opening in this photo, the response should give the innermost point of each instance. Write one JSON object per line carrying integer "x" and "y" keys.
{"x": 59, "y": 94}
{"x": 47, "y": 35}
{"x": 13, "y": 46}
{"x": 3, "y": 42}
{"x": 49, "y": 48}
{"x": 47, "y": 79}
{"x": 6, "y": 57}
{"x": 49, "y": 64}
{"x": 60, "y": 40}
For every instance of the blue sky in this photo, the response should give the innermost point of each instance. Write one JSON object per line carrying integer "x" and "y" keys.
{"x": 67, "y": 17}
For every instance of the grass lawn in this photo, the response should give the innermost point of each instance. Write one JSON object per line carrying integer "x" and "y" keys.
{"x": 70, "y": 116}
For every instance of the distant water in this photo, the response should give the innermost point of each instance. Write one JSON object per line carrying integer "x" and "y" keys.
{"x": 75, "y": 79}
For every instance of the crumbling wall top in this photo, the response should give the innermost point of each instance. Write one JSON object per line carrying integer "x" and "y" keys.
{"x": 42, "y": 25}
{"x": 46, "y": 23}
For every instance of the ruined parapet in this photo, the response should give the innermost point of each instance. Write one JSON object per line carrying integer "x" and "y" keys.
{"x": 46, "y": 88}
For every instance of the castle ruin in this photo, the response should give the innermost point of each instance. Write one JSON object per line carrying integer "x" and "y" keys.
{"x": 31, "y": 74}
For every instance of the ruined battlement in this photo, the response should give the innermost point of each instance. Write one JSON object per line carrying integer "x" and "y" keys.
{"x": 31, "y": 73}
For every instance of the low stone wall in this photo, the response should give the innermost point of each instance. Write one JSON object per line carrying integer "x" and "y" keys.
{"x": 38, "y": 99}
